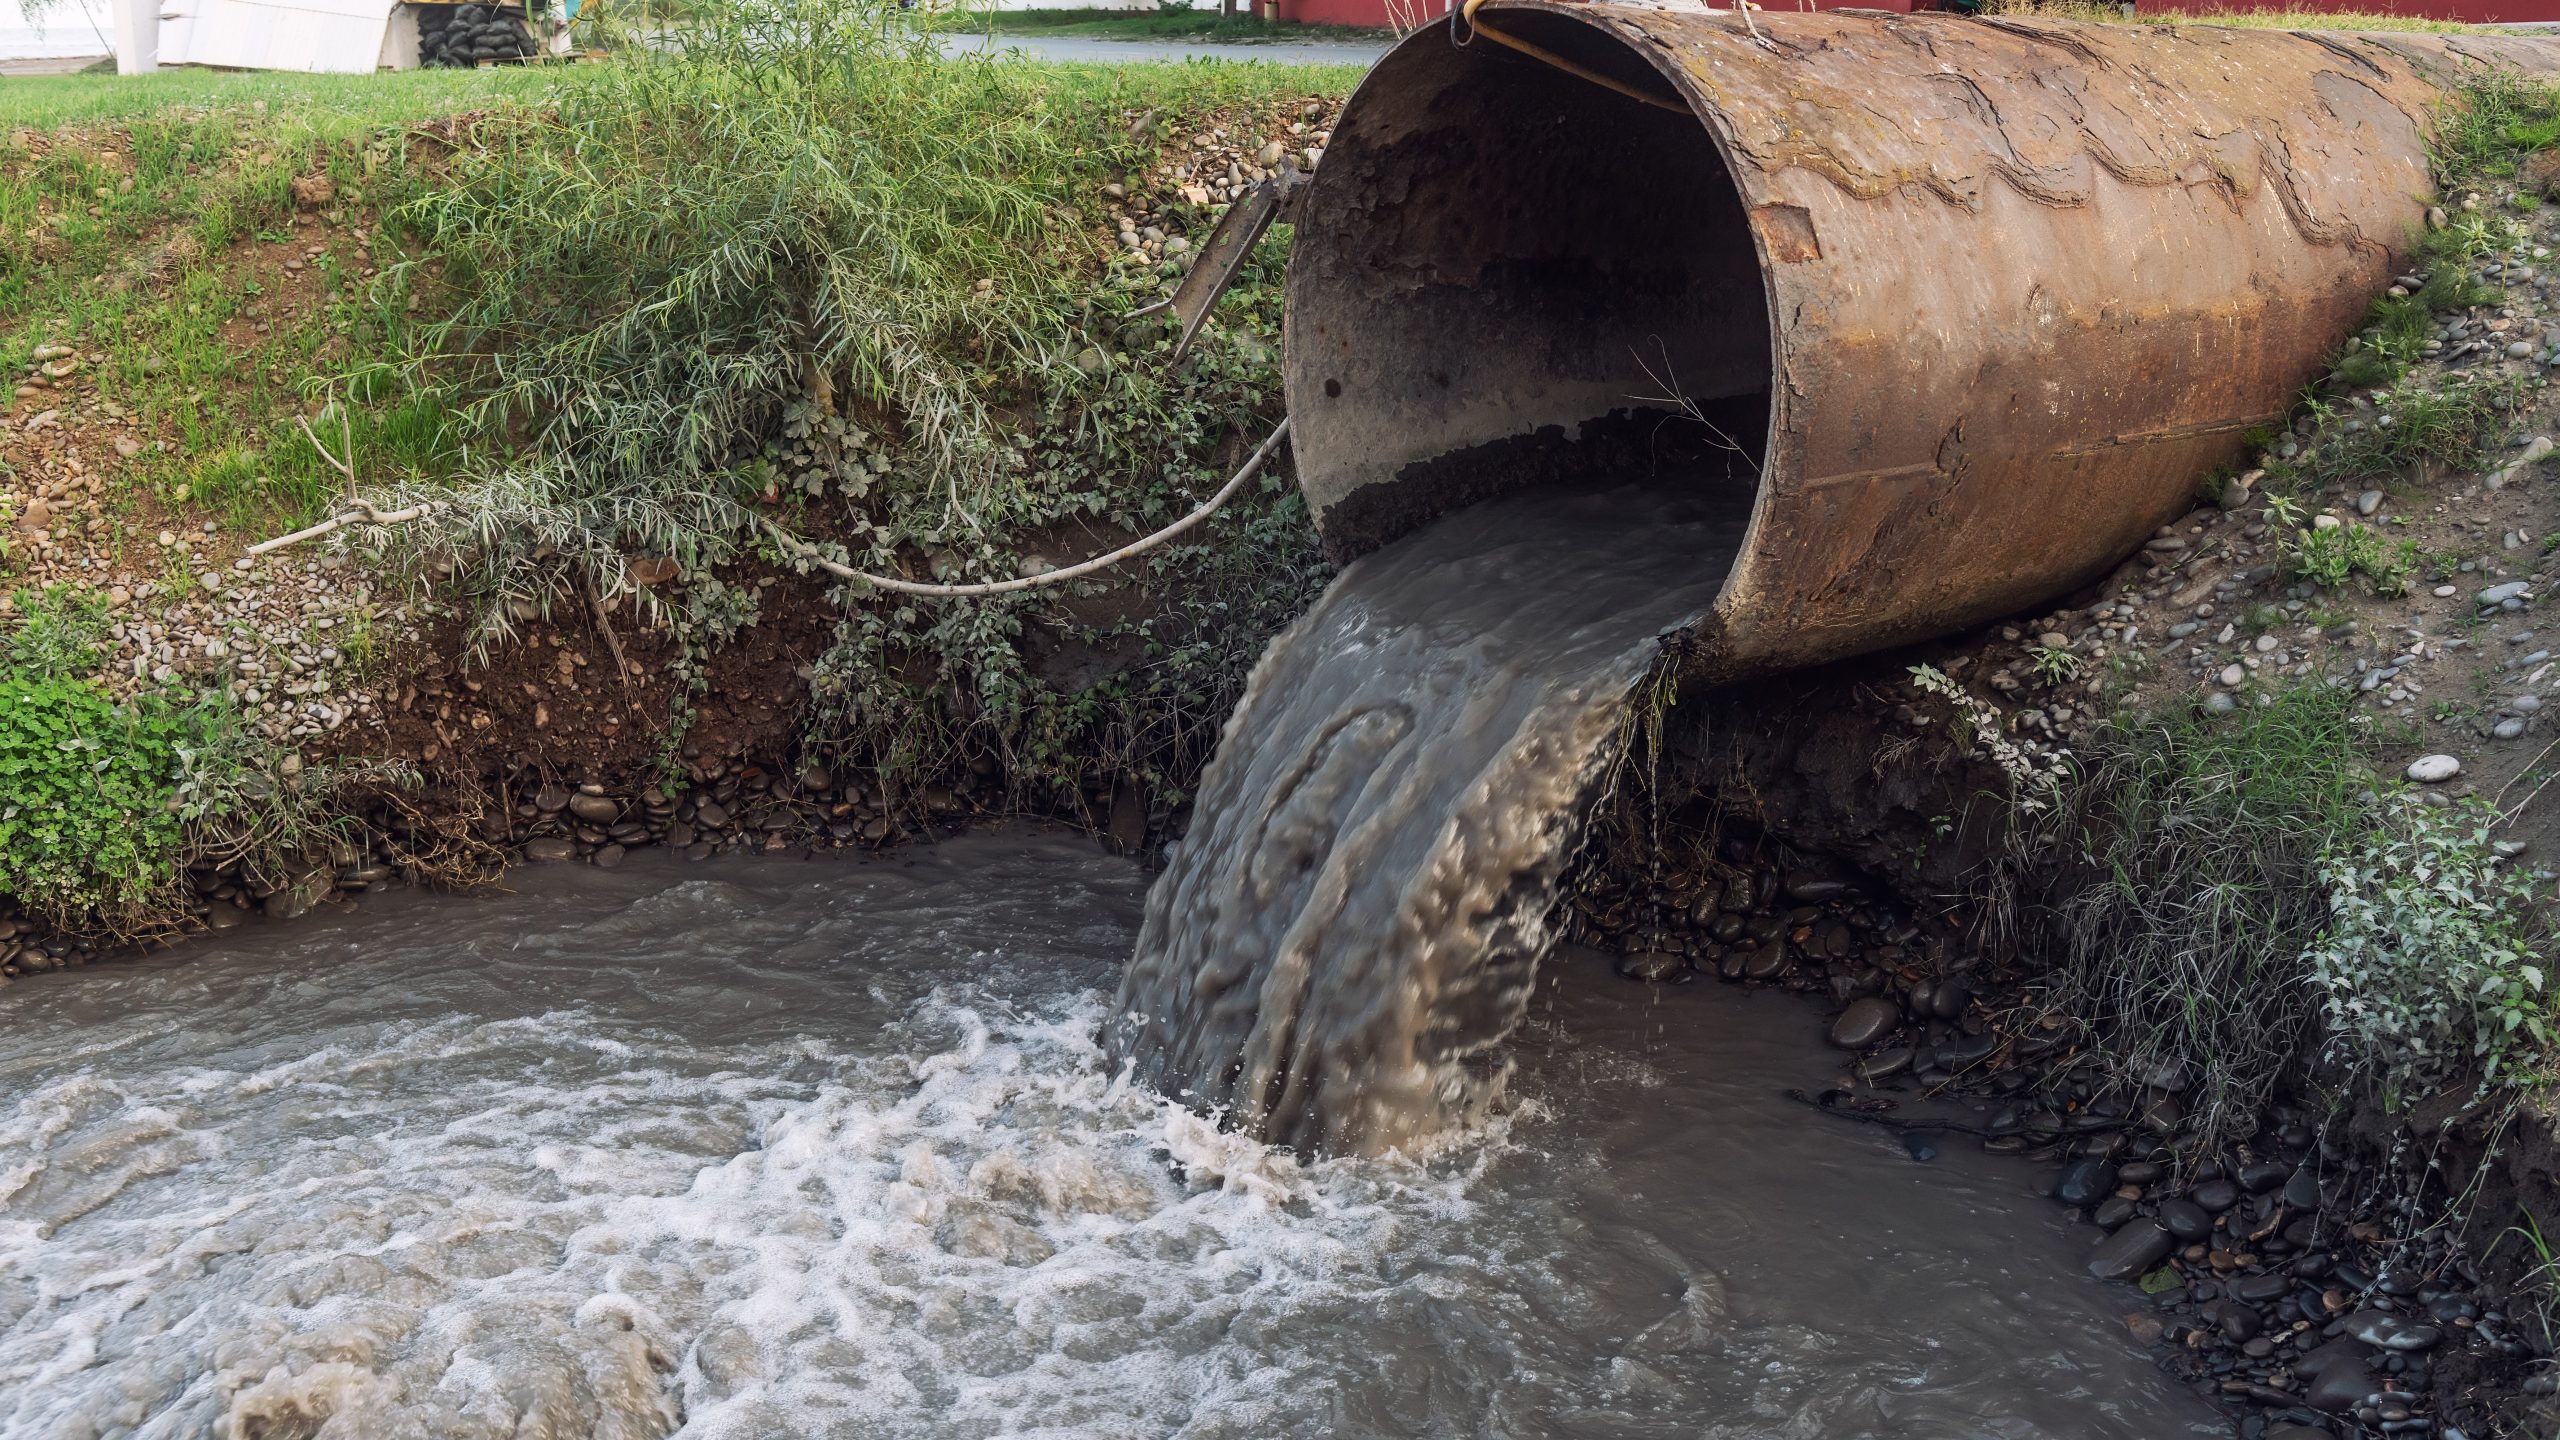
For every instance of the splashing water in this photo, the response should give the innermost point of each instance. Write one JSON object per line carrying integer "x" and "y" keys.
{"x": 1355, "y": 919}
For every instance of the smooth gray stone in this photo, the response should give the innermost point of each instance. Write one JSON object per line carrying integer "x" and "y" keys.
{"x": 1865, "y": 1022}
{"x": 2131, "y": 1251}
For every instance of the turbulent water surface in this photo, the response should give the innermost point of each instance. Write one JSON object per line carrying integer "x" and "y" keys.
{"x": 1352, "y": 924}
{"x": 781, "y": 1149}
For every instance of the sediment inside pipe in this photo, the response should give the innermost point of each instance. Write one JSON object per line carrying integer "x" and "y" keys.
{"x": 1512, "y": 275}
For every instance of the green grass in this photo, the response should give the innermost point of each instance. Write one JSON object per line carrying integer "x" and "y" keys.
{"x": 299, "y": 107}
{"x": 57, "y": 633}
{"x": 800, "y": 271}
{"x": 2452, "y": 423}
{"x": 2499, "y": 118}
{"x": 2237, "y": 16}
{"x": 1204, "y": 24}
{"x": 2174, "y": 887}
{"x": 127, "y": 228}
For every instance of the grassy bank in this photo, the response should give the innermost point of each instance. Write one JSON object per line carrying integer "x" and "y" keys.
{"x": 615, "y": 329}
{"x": 890, "y": 312}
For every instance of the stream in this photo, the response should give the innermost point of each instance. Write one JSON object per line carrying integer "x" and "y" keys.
{"x": 830, "y": 1148}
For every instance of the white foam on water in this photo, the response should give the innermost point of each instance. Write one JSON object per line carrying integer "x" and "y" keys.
{"x": 537, "y": 1227}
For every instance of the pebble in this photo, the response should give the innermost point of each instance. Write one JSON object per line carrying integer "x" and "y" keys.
{"x": 2232, "y": 677}
{"x": 2086, "y": 1182}
{"x": 2507, "y": 729}
{"x": 549, "y": 849}
{"x": 2368, "y": 502}
{"x": 595, "y": 809}
{"x": 2131, "y": 1251}
{"x": 2434, "y": 769}
{"x": 2185, "y": 1219}
{"x": 1886, "y": 1062}
{"x": 2220, "y": 703}
{"x": 2390, "y": 1332}
{"x": 1865, "y": 1022}
{"x": 2501, "y": 594}
{"x": 1653, "y": 966}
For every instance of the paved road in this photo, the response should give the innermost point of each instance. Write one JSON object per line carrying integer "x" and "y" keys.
{"x": 1121, "y": 52}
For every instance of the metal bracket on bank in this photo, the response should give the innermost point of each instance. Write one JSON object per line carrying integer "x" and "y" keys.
{"x": 1273, "y": 201}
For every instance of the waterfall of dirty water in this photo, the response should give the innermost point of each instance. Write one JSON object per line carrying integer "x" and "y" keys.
{"x": 827, "y": 1151}
{"x": 1356, "y": 917}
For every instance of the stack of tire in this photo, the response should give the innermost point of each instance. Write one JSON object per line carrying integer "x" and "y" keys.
{"x": 460, "y": 36}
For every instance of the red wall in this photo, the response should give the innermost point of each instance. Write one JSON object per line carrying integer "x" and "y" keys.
{"x": 1413, "y": 12}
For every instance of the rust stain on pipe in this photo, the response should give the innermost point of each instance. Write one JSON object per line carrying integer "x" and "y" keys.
{"x": 1995, "y": 293}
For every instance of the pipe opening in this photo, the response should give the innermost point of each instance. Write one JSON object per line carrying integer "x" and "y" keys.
{"x": 1509, "y": 275}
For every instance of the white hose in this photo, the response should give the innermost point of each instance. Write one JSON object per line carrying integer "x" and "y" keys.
{"x": 1252, "y": 466}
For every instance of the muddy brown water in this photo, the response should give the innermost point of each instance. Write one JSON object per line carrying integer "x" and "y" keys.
{"x": 765, "y": 1149}
{"x": 1351, "y": 925}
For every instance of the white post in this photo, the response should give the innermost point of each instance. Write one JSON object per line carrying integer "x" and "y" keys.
{"x": 137, "y": 36}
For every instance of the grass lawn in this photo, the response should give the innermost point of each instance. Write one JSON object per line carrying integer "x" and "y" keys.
{"x": 319, "y": 105}
{"x": 151, "y": 218}
{"x": 1202, "y": 24}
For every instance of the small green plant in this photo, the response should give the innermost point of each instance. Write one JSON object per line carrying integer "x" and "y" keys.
{"x": 2036, "y": 772}
{"x": 2427, "y": 967}
{"x": 2328, "y": 557}
{"x": 2319, "y": 556}
{"x": 87, "y": 822}
{"x": 58, "y": 632}
{"x": 2054, "y": 664}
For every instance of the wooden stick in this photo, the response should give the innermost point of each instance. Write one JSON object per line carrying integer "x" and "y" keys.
{"x": 362, "y": 511}
{"x": 604, "y": 627}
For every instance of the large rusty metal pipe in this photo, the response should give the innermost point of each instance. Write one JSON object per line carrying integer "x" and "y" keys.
{"x": 1984, "y": 299}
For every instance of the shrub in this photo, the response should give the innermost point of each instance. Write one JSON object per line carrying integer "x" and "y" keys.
{"x": 2426, "y": 967}
{"x": 800, "y": 201}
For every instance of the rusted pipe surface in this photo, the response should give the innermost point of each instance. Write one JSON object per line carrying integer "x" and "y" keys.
{"x": 2011, "y": 288}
